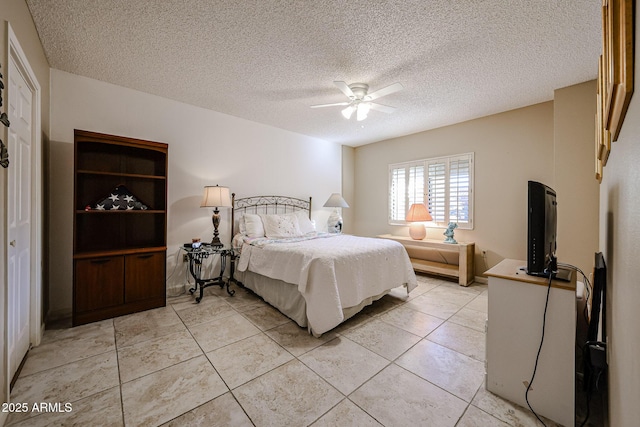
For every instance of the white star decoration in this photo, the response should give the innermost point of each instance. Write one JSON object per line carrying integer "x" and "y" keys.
{"x": 120, "y": 199}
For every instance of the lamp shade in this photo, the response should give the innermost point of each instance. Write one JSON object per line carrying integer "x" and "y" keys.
{"x": 216, "y": 196}
{"x": 418, "y": 212}
{"x": 347, "y": 112}
{"x": 336, "y": 201}
{"x": 363, "y": 111}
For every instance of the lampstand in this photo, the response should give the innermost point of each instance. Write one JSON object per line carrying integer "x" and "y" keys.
{"x": 215, "y": 197}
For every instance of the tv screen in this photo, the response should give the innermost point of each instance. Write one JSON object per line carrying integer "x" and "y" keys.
{"x": 541, "y": 230}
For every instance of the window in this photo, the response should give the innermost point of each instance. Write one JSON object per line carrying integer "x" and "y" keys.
{"x": 443, "y": 184}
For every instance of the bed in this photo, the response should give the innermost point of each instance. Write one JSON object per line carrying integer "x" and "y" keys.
{"x": 317, "y": 279}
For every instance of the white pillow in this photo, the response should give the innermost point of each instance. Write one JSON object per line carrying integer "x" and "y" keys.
{"x": 242, "y": 229}
{"x": 306, "y": 225}
{"x": 253, "y": 225}
{"x": 278, "y": 226}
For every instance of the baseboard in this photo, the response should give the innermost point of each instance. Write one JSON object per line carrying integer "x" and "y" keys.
{"x": 481, "y": 280}
{"x": 178, "y": 290}
{"x": 54, "y": 316}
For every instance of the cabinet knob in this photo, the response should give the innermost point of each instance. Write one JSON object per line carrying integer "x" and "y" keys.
{"x": 100, "y": 261}
{"x": 13, "y": 243}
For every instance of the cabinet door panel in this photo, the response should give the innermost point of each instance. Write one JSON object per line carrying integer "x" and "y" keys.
{"x": 99, "y": 283}
{"x": 145, "y": 276}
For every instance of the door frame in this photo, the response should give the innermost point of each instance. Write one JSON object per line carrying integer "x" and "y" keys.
{"x": 16, "y": 55}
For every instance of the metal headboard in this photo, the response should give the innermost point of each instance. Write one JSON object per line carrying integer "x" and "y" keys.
{"x": 266, "y": 205}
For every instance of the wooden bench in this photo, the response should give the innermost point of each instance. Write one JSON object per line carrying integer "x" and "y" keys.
{"x": 456, "y": 259}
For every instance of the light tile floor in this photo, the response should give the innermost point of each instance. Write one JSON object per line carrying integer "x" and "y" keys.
{"x": 414, "y": 360}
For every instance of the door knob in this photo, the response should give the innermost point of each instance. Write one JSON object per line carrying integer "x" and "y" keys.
{"x": 12, "y": 243}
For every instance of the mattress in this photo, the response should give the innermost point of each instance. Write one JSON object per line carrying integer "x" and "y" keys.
{"x": 334, "y": 275}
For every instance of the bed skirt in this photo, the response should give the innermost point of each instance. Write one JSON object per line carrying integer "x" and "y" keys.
{"x": 288, "y": 300}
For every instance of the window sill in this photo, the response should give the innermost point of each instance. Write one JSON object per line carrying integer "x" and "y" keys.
{"x": 432, "y": 226}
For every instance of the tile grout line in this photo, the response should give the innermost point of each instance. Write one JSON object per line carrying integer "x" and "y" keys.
{"x": 376, "y": 316}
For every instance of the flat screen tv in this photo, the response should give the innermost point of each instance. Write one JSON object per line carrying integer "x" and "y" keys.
{"x": 541, "y": 230}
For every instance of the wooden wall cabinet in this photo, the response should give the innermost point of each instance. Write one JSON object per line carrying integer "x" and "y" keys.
{"x": 119, "y": 255}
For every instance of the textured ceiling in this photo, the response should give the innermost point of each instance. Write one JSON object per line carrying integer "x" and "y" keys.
{"x": 268, "y": 61}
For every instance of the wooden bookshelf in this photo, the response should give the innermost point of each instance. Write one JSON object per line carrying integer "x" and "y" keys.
{"x": 119, "y": 255}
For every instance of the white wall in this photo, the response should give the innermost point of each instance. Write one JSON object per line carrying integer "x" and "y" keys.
{"x": 205, "y": 148}
{"x": 348, "y": 188}
{"x": 620, "y": 244}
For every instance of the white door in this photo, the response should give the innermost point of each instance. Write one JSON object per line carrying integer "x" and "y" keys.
{"x": 19, "y": 196}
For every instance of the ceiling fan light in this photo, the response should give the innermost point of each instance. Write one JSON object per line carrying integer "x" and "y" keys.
{"x": 347, "y": 112}
{"x": 363, "y": 111}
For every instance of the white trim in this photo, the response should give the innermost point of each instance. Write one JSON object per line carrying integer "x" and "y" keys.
{"x": 16, "y": 54}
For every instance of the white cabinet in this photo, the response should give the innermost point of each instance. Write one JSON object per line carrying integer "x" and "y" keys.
{"x": 514, "y": 330}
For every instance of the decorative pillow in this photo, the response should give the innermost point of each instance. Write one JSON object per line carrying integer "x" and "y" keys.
{"x": 306, "y": 225}
{"x": 253, "y": 225}
{"x": 278, "y": 226}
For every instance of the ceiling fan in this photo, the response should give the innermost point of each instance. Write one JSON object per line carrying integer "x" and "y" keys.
{"x": 360, "y": 101}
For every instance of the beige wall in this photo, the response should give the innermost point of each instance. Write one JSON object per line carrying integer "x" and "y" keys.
{"x": 510, "y": 149}
{"x": 620, "y": 244}
{"x": 578, "y": 191}
{"x": 16, "y": 13}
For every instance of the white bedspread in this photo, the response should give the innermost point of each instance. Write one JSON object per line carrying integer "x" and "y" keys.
{"x": 332, "y": 272}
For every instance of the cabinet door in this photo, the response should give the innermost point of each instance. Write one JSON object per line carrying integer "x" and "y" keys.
{"x": 99, "y": 283}
{"x": 144, "y": 276}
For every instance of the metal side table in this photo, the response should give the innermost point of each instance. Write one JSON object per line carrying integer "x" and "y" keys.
{"x": 198, "y": 255}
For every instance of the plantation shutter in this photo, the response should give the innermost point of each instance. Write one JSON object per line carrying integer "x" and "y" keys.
{"x": 443, "y": 184}
{"x": 437, "y": 190}
{"x": 397, "y": 188}
{"x": 406, "y": 187}
{"x": 459, "y": 189}
{"x": 416, "y": 185}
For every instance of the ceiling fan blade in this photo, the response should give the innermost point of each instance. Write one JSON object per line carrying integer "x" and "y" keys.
{"x": 384, "y": 91}
{"x": 330, "y": 105}
{"x": 381, "y": 107}
{"x": 345, "y": 89}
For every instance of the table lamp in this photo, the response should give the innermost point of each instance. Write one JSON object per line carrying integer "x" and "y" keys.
{"x": 334, "y": 223}
{"x": 215, "y": 197}
{"x": 417, "y": 215}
